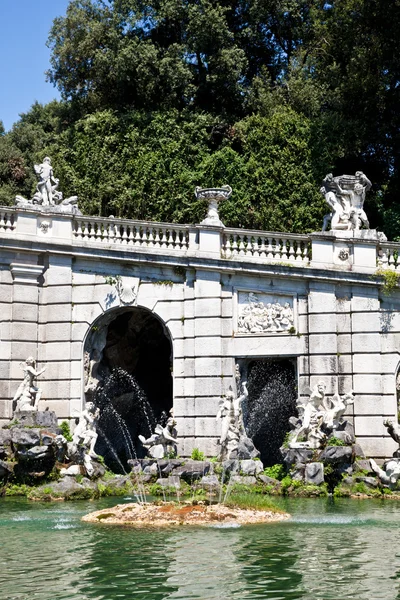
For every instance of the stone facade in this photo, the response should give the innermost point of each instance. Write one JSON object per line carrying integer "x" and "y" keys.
{"x": 59, "y": 280}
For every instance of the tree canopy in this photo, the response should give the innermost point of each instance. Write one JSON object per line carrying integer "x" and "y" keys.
{"x": 267, "y": 95}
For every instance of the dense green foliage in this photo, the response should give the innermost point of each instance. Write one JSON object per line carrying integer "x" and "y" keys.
{"x": 267, "y": 96}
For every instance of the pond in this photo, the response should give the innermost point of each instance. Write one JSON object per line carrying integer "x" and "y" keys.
{"x": 329, "y": 549}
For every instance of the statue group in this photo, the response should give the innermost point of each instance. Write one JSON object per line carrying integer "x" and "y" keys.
{"x": 319, "y": 416}
{"x": 47, "y": 193}
{"x": 345, "y": 195}
{"x": 258, "y": 317}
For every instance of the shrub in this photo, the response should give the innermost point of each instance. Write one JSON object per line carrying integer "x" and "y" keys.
{"x": 197, "y": 455}
{"x": 276, "y": 471}
{"x": 66, "y": 431}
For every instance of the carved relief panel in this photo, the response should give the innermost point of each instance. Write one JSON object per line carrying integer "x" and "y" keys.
{"x": 260, "y": 313}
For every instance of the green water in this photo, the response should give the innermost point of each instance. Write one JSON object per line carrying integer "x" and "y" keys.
{"x": 328, "y": 550}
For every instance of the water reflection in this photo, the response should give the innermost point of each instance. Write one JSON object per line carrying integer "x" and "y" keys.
{"x": 328, "y": 551}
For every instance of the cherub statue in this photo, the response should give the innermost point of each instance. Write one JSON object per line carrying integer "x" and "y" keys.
{"x": 28, "y": 394}
{"x": 84, "y": 437}
{"x": 163, "y": 440}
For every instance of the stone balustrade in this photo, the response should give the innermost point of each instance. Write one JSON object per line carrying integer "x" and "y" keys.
{"x": 389, "y": 256}
{"x": 7, "y": 219}
{"x": 319, "y": 249}
{"x": 132, "y": 233}
{"x": 266, "y": 246}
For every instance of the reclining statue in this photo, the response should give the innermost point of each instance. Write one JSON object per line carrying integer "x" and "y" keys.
{"x": 163, "y": 441}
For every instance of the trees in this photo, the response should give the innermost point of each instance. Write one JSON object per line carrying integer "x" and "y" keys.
{"x": 267, "y": 95}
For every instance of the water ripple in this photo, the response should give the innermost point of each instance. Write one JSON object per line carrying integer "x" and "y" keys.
{"x": 326, "y": 551}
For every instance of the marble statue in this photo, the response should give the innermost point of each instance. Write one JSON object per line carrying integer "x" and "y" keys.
{"x": 393, "y": 429}
{"x": 257, "y": 317}
{"x": 47, "y": 193}
{"x": 345, "y": 196}
{"x": 213, "y": 195}
{"x": 84, "y": 438}
{"x": 163, "y": 441}
{"x": 28, "y": 394}
{"x": 46, "y": 177}
{"x": 390, "y": 473}
{"x": 233, "y": 440}
{"x": 318, "y": 417}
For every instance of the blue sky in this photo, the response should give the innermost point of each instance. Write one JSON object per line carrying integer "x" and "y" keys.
{"x": 24, "y": 57}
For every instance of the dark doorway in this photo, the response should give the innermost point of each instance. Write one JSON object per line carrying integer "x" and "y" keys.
{"x": 128, "y": 376}
{"x": 271, "y": 402}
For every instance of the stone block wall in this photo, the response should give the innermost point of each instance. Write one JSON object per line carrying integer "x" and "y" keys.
{"x": 345, "y": 331}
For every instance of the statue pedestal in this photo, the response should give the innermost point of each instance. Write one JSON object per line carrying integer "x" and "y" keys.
{"x": 40, "y": 418}
{"x": 347, "y": 250}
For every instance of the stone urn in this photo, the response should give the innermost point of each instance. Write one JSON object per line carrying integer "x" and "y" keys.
{"x": 213, "y": 195}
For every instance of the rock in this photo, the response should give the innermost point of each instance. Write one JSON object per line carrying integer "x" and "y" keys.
{"x": 63, "y": 488}
{"x": 230, "y": 465}
{"x": 297, "y": 473}
{"x": 171, "y": 465}
{"x": 25, "y": 437}
{"x": 369, "y": 481}
{"x": 362, "y": 465}
{"x": 192, "y": 470}
{"x": 35, "y": 453}
{"x": 47, "y": 438}
{"x": 41, "y": 418}
{"x": 336, "y": 455}
{"x": 5, "y": 437}
{"x": 6, "y": 468}
{"x": 270, "y": 481}
{"x": 292, "y": 456}
{"x": 345, "y": 432}
{"x": 71, "y": 471}
{"x": 210, "y": 482}
{"x": 245, "y": 450}
{"x": 251, "y": 467}
{"x": 243, "y": 480}
{"x": 136, "y": 469}
{"x": 314, "y": 473}
{"x": 172, "y": 481}
{"x": 358, "y": 451}
{"x": 348, "y": 481}
{"x": 344, "y": 437}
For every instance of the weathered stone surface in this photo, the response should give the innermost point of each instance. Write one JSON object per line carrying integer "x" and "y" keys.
{"x": 192, "y": 470}
{"x": 230, "y": 466}
{"x": 210, "y": 482}
{"x": 314, "y": 473}
{"x": 35, "y": 453}
{"x": 25, "y": 437}
{"x": 172, "y": 481}
{"x": 297, "y": 473}
{"x": 270, "y": 481}
{"x": 336, "y": 455}
{"x": 41, "y": 418}
{"x": 371, "y": 482}
{"x": 73, "y": 470}
{"x": 244, "y": 479}
{"x": 47, "y": 438}
{"x": 358, "y": 451}
{"x": 245, "y": 450}
{"x": 292, "y": 456}
{"x": 362, "y": 465}
{"x": 5, "y": 437}
{"x": 6, "y": 468}
{"x": 345, "y": 432}
{"x": 251, "y": 467}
